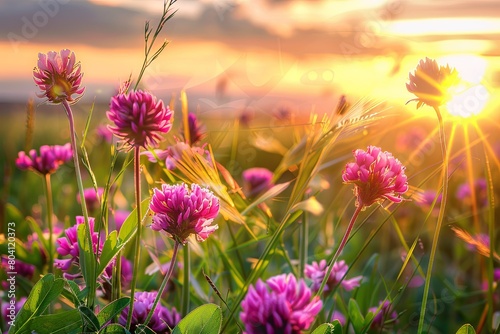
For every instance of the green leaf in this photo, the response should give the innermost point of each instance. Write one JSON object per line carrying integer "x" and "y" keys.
{"x": 129, "y": 226}
{"x": 206, "y": 319}
{"x": 357, "y": 319}
{"x": 326, "y": 328}
{"x": 60, "y": 323}
{"x": 77, "y": 293}
{"x": 89, "y": 318}
{"x": 114, "y": 329}
{"x": 87, "y": 256}
{"x": 112, "y": 309}
{"x": 466, "y": 329}
{"x": 108, "y": 251}
{"x": 44, "y": 292}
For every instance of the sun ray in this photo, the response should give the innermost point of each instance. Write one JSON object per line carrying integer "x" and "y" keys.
{"x": 485, "y": 141}
{"x": 470, "y": 177}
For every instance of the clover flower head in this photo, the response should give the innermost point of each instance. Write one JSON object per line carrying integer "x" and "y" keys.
{"x": 316, "y": 272}
{"x": 376, "y": 176}
{"x": 280, "y": 305}
{"x": 139, "y": 119}
{"x": 196, "y": 130}
{"x": 68, "y": 245}
{"x": 48, "y": 161}
{"x": 181, "y": 211}
{"x": 58, "y": 76}
{"x": 257, "y": 180}
{"x": 431, "y": 83}
{"x": 162, "y": 318}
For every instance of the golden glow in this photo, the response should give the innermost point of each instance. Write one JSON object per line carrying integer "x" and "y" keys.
{"x": 469, "y": 102}
{"x": 445, "y": 26}
{"x": 471, "y": 68}
{"x": 471, "y": 96}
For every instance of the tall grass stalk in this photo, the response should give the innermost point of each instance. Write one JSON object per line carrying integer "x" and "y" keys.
{"x": 491, "y": 233}
{"x": 439, "y": 223}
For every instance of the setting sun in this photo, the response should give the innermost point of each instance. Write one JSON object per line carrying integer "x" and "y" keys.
{"x": 471, "y": 96}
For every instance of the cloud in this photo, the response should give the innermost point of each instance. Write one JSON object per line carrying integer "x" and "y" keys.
{"x": 70, "y": 21}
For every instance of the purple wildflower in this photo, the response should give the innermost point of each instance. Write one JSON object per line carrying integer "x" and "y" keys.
{"x": 316, "y": 272}
{"x": 48, "y": 161}
{"x": 381, "y": 316}
{"x": 58, "y": 76}
{"x": 339, "y": 317}
{"x": 126, "y": 276}
{"x": 479, "y": 191}
{"x": 139, "y": 119}
{"x": 68, "y": 245}
{"x": 104, "y": 134}
{"x": 256, "y": 181}
{"x": 376, "y": 176}
{"x": 280, "y": 305}
{"x": 92, "y": 198}
{"x": 181, "y": 211}
{"x": 162, "y": 319}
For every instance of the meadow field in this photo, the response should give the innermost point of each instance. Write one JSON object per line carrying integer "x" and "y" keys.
{"x": 181, "y": 211}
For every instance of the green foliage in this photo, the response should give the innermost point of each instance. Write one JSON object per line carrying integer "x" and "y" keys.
{"x": 333, "y": 328}
{"x": 112, "y": 310}
{"x": 66, "y": 322}
{"x": 466, "y": 329}
{"x": 357, "y": 319}
{"x": 45, "y": 291}
{"x": 206, "y": 319}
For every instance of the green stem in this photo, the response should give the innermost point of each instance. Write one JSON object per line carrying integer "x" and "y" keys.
{"x": 116, "y": 280}
{"x": 442, "y": 208}
{"x": 137, "y": 245}
{"x": 50, "y": 210}
{"x": 164, "y": 282}
{"x": 304, "y": 239}
{"x": 339, "y": 250}
{"x": 88, "y": 234}
{"x": 185, "y": 284}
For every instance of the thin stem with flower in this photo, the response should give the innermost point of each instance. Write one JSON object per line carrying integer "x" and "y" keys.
{"x": 439, "y": 223}
{"x": 185, "y": 282}
{"x": 50, "y": 210}
{"x": 339, "y": 249}
{"x": 164, "y": 282}
{"x": 137, "y": 244}
{"x": 88, "y": 233}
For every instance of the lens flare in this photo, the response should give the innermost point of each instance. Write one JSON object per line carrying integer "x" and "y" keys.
{"x": 469, "y": 102}
{"x": 471, "y": 96}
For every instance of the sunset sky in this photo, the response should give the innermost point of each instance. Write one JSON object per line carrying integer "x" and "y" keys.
{"x": 254, "y": 49}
